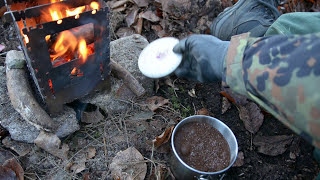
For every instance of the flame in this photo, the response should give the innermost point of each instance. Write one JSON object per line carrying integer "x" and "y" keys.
{"x": 26, "y": 38}
{"x": 75, "y": 11}
{"x": 83, "y": 51}
{"x": 94, "y": 5}
{"x": 66, "y": 44}
{"x": 66, "y": 41}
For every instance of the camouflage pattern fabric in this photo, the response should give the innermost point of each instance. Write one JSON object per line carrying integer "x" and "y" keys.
{"x": 281, "y": 74}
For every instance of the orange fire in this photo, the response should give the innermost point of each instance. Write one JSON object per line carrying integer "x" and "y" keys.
{"x": 66, "y": 42}
{"x": 83, "y": 49}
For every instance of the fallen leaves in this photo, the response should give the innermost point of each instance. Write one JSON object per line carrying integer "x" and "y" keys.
{"x": 11, "y": 170}
{"x": 2, "y": 47}
{"x": 51, "y": 143}
{"x": 226, "y": 105}
{"x": 192, "y": 93}
{"x": 240, "y": 160}
{"x": 203, "y": 111}
{"x": 155, "y": 102}
{"x": 272, "y": 145}
{"x": 20, "y": 148}
{"x": 163, "y": 138}
{"x": 128, "y": 165}
{"x": 251, "y": 116}
{"x": 150, "y": 16}
{"x": 94, "y": 116}
{"x": 80, "y": 164}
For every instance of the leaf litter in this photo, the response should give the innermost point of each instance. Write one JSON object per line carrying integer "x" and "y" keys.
{"x": 128, "y": 165}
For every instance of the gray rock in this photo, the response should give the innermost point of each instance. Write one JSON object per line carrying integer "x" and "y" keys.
{"x": 125, "y": 51}
{"x": 19, "y": 129}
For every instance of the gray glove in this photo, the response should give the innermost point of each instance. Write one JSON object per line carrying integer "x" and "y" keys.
{"x": 203, "y": 57}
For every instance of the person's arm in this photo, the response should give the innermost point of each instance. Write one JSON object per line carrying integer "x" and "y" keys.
{"x": 281, "y": 74}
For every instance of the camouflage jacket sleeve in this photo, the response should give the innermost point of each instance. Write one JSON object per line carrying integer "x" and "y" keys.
{"x": 282, "y": 75}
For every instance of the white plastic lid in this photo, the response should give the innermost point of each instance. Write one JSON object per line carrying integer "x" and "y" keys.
{"x": 158, "y": 59}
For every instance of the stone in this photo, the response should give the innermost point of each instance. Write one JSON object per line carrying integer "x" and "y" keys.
{"x": 22, "y": 131}
{"x": 20, "y": 148}
{"x": 125, "y": 51}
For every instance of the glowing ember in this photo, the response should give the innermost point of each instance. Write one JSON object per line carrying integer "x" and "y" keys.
{"x": 26, "y": 39}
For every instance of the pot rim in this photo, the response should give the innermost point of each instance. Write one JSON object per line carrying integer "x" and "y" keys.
{"x": 191, "y": 168}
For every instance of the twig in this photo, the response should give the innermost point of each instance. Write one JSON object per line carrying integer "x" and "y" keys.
{"x": 194, "y": 108}
{"x": 137, "y": 174}
{"x": 126, "y": 131}
{"x": 133, "y": 84}
{"x": 151, "y": 158}
{"x": 4, "y": 53}
{"x": 104, "y": 142}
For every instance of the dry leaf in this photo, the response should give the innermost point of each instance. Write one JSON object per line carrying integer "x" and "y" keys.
{"x": 272, "y": 145}
{"x": 79, "y": 166}
{"x": 163, "y": 138}
{"x": 128, "y": 165}
{"x": 91, "y": 152}
{"x": 192, "y": 93}
{"x": 117, "y": 4}
{"x": 150, "y": 16}
{"x": 2, "y": 47}
{"x": 226, "y": 105}
{"x": 120, "y": 9}
{"x": 15, "y": 167}
{"x": 236, "y": 99}
{"x": 7, "y": 174}
{"x": 169, "y": 82}
{"x": 51, "y": 143}
{"x": 203, "y": 111}
{"x": 158, "y": 30}
{"x": 5, "y": 155}
{"x": 142, "y": 3}
{"x": 251, "y": 116}
{"x": 154, "y": 102}
{"x": 125, "y": 31}
{"x": 159, "y": 172}
{"x": 132, "y": 16}
{"x": 93, "y": 117}
{"x": 138, "y": 26}
{"x": 240, "y": 160}
{"x": 142, "y": 116}
{"x": 19, "y": 147}
{"x": 156, "y": 85}
{"x": 87, "y": 176}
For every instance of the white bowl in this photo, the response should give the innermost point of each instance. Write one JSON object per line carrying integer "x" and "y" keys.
{"x": 158, "y": 59}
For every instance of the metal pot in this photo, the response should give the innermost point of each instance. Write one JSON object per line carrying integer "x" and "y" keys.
{"x": 183, "y": 171}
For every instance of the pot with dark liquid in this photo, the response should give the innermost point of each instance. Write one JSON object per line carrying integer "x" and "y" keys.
{"x": 203, "y": 148}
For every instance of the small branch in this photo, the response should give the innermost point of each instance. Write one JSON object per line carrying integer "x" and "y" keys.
{"x": 121, "y": 73}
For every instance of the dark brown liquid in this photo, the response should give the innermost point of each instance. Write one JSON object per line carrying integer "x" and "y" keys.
{"x": 202, "y": 147}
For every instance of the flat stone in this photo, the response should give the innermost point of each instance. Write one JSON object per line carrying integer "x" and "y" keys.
{"x": 22, "y": 131}
{"x": 125, "y": 51}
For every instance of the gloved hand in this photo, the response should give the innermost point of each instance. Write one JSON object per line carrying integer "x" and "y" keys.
{"x": 203, "y": 57}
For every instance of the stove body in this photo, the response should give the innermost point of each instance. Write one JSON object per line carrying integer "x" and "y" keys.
{"x": 62, "y": 79}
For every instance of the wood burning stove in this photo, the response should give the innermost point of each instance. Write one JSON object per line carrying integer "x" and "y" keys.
{"x": 66, "y": 45}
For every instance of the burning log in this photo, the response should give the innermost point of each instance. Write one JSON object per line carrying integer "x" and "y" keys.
{"x": 21, "y": 95}
{"x": 121, "y": 73}
{"x": 85, "y": 32}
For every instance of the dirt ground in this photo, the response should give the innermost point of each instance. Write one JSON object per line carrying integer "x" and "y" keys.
{"x": 138, "y": 126}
